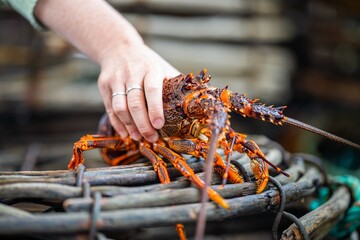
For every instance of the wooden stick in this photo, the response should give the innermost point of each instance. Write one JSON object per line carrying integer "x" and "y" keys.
{"x": 175, "y": 196}
{"x": 104, "y": 176}
{"x": 59, "y": 192}
{"x": 156, "y": 216}
{"x": 24, "y": 188}
{"x": 319, "y": 222}
{"x": 7, "y": 211}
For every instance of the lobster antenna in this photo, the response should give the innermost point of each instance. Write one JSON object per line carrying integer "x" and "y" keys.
{"x": 225, "y": 176}
{"x": 201, "y": 221}
{"x": 279, "y": 170}
{"x": 318, "y": 131}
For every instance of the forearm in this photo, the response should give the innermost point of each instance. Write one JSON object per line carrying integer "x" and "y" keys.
{"x": 92, "y": 26}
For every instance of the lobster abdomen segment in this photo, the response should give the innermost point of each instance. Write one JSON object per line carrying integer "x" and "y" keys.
{"x": 251, "y": 108}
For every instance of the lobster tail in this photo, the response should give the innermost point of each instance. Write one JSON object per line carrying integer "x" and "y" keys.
{"x": 251, "y": 108}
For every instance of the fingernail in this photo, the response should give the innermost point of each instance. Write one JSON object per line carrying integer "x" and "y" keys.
{"x": 153, "y": 138}
{"x": 123, "y": 134}
{"x": 158, "y": 123}
{"x": 136, "y": 136}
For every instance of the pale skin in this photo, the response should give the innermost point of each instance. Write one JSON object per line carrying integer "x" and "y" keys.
{"x": 100, "y": 32}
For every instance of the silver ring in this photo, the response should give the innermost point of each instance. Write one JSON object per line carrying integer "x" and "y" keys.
{"x": 118, "y": 93}
{"x": 132, "y": 88}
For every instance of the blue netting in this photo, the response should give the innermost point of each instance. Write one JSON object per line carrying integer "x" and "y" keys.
{"x": 351, "y": 221}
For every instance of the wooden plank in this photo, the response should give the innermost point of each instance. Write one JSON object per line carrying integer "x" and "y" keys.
{"x": 265, "y": 29}
{"x": 205, "y": 6}
{"x": 348, "y": 8}
{"x": 330, "y": 87}
{"x": 69, "y": 85}
{"x": 224, "y": 59}
{"x": 262, "y": 71}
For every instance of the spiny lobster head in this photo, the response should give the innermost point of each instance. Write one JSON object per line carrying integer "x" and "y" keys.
{"x": 190, "y": 98}
{"x": 184, "y": 84}
{"x": 202, "y": 102}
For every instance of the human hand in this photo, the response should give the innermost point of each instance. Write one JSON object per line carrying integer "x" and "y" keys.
{"x": 126, "y": 62}
{"x": 139, "y": 111}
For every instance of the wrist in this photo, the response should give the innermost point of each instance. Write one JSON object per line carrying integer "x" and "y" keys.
{"x": 119, "y": 44}
{"x": 127, "y": 49}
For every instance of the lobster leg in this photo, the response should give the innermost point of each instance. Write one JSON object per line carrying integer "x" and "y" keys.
{"x": 160, "y": 168}
{"x": 199, "y": 148}
{"x": 180, "y": 163}
{"x": 127, "y": 158}
{"x": 157, "y": 162}
{"x": 89, "y": 142}
{"x": 258, "y": 166}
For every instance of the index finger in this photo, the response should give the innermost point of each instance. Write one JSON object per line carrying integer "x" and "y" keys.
{"x": 153, "y": 84}
{"x": 137, "y": 108}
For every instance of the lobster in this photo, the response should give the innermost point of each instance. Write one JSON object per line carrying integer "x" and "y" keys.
{"x": 196, "y": 123}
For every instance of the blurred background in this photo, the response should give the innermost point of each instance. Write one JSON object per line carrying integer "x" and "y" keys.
{"x": 303, "y": 54}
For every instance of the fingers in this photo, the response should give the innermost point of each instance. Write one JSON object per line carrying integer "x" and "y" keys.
{"x": 138, "y": 111}
{"x": 153, "y": 84}
{"x": 120, "y": 106}
{"x": 122, "y": 115}
{"x": 140, "y": 75}
{"x": 153, "y": 92}
{"x": 127, "y": 112}
{"x": 108, "y": 103}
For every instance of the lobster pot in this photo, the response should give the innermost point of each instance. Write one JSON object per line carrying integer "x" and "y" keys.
{"x": 239, "y": 42}
{"x": 128, "y": 202}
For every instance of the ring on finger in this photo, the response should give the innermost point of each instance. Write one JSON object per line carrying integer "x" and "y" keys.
{"x": 118, "y": 93}
{"x": 136, "y": 86}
